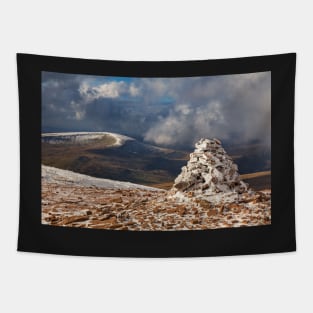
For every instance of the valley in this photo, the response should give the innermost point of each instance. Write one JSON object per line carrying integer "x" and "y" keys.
{"x": 118, "y": 157}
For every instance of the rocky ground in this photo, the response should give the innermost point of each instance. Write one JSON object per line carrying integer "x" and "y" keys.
{"x": 208, "y": 194}
{"x": 136, "y": 209}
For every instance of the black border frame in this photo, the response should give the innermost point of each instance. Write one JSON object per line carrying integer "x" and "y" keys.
{"x": 277, "y": 237}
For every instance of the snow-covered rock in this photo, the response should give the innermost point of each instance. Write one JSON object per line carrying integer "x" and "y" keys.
{"x": 210, "y": 173}
{"x": 82, "y": 137}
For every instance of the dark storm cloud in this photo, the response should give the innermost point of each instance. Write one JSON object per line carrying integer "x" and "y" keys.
{"x": 171, "y": 112}
{"x": 232, "y": 107}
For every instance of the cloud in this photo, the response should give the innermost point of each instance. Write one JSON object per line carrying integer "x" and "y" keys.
{"x": 173, "y": 112}
{"x": 107, "y": 90}
{"x": 230, "y": 107}
{"x": 110, "y": 90}
{"x": 79, "y": 112}
{"x": 133, "y": 90}
{"x": 185, "y": 124}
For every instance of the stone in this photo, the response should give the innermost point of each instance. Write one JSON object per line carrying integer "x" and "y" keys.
{"x": 181, "y": 211}
{"x": 117, "y": 200}
{"x": 221, "y": 208}
{"x": 209, "y": 172}
{"x": 181, "y": 185}
{"x": 105, "y": 217}
{"x": 72, "y": 219}
{"x": 204, "y": 204}
{"x": 212, "y": 212}
{"x": 111, "y": 220}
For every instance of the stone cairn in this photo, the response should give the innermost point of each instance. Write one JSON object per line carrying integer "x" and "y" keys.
{"x": 210, "y": 174}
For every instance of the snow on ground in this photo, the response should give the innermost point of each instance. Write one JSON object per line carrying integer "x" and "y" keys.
{"x": 69, "y": 205}
{"x": 82, "y": 137}
{"x": 75, "y": 200}
{"x": 55, "y": 175}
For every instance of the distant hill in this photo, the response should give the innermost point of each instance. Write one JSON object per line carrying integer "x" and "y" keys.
{"x": 122, "y": 158}
{"x": 112, "y": 156}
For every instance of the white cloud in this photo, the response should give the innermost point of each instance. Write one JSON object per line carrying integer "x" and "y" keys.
{"x": 183, "y": 109}
{"x": 77, "y": 111}
{"x": 187, "y": 123}
{"x": 133, "y": 90}
{"x": 112, "y": 90}
{"x": 79, "y": 115}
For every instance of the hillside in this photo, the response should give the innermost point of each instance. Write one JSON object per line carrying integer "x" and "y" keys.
{"x": 118, "y": 157}
{"x": 209, "y": 193}
{"x": 74, "y": 200}
{"x": 53, "y": 175}
{"x": 112, "y": 156}
{"x": 258, "y": 180}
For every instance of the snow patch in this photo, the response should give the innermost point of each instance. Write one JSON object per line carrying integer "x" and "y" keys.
{"x": 82, "y": 137}
{"x": 57, "y": 176}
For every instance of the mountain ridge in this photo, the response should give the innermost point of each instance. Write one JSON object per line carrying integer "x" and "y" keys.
{"x": 119, "y": 157}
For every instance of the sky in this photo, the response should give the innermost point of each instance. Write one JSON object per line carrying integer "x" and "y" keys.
{"x": 169, "y": 112}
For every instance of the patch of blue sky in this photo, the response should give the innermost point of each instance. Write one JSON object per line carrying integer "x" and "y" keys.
{"x": 166, "y": 100}
{"x": 98, "y": 80}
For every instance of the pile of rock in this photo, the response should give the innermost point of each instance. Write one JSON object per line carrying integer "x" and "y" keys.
{"x": 210, "y": 173}
{"x": 208, "y": 194}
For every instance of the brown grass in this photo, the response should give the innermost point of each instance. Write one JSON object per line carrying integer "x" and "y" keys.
{"x": 165, "y": 186}
{"x": 254, "y": 175}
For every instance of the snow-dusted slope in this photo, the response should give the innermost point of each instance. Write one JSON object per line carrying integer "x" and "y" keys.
{"x": 58, "y": 176}
{"x": 82, "y": 137}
